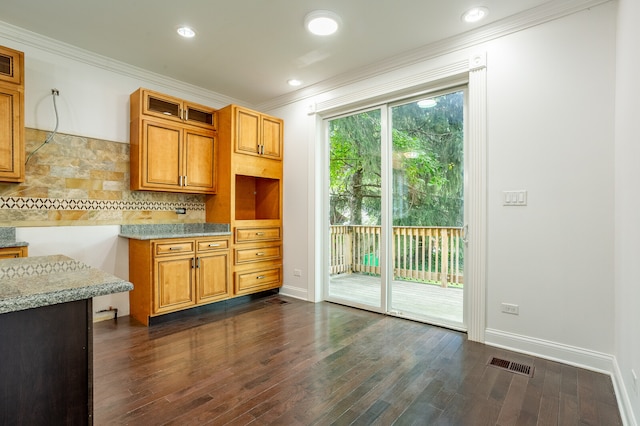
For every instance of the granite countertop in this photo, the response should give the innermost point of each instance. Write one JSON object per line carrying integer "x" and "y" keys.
{"x": 175, "y": 230}
{"x": 8, "y": 238}
{"x": 33, "y": 282}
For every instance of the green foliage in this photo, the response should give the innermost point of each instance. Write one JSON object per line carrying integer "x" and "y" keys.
{"x": 427, "y": 165}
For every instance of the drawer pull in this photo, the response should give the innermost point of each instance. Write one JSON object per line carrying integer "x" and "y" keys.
{"x": 260, "y": 253}
{"x": 214, "y": 245}
{"x": 260, "y": 277}
{"x": 175, "y": 248}
{"x": 260, "y": 233}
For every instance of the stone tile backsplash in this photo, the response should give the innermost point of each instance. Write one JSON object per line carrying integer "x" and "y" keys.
{"x": 75, "y": 180}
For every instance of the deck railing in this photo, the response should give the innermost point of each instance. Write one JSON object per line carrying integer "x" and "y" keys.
{"x": 419, "y": 253}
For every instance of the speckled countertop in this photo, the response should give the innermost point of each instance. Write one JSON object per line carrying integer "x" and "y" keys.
{"x": 175, "y": 230}
{"x": 32, "y": 282}
{"x": 8, "y": 238}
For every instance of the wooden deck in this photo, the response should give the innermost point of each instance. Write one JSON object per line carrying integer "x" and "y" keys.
{"x": 409, "y": 298}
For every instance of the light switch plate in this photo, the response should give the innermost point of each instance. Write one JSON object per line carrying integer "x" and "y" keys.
{"x": 514, "y": 198}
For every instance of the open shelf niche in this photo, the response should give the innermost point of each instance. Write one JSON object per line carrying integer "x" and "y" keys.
{"x": 257, "y": 198}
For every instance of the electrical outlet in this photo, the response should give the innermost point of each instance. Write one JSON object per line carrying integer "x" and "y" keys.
{"x": 297, "y": 273}
{"x": 510, "y": 308}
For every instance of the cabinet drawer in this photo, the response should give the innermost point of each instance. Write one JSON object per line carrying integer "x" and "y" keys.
{"x": 177, "y": 247}
{"x": 258, "y": 254}
{"x": 255, "y": 280}
{"x": 210, "y": 245}
{"x": 246, "y": 235}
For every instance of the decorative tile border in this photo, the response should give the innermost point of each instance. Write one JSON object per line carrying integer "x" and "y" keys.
{"x": 22, "y": 203}
{"x": 41, "y": 269}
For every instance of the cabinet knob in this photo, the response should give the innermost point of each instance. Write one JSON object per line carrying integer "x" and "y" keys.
{"x": 260, "y": 277}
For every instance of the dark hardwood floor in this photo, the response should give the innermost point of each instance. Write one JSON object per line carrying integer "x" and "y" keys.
{"x": 288, "y": 362}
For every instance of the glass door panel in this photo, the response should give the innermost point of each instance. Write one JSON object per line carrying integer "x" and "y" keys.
{"x": 355, "y": 210}
{"x": 427, "y": 209}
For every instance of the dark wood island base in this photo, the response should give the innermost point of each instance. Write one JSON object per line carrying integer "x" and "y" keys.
{"x": 46, "y": 339}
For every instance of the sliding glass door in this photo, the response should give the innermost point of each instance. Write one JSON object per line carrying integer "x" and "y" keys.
{"x": 428, "y": 209}
{"x": 396, "y": 209}
{"x": 355, "y": 195}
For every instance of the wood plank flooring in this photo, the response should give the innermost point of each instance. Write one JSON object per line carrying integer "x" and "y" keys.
{"x": 283, "y": 361}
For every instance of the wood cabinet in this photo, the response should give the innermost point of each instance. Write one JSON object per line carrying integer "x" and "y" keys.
{"x": 174, "y": 274}
{"x": 168, "y": 152}
{"x": 249, "y": 196}
{"x": 13, "y": 252}
{"x": 12, "y": 146}
{"x": 177, "y": 110}
{"x": 256, "y": 133}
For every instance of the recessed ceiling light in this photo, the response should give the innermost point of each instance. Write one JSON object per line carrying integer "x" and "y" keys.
{"x": 322, "y": 22}
{"x": 475, "y": 14}
{"x": 427, "y": 103}
{"x": 186, "y": 32}
{"x": 294, "y": 82}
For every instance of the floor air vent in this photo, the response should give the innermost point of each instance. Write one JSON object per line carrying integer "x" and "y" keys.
{"x": 514, "y": 367}
{"x": 276, "y": 301}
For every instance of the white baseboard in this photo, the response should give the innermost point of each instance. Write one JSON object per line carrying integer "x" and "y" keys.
{"x": 566, "y": 354}
{"x": 295, "y": 292}
{"x": 624, "y": 402}
{"x": 572, "y": 355}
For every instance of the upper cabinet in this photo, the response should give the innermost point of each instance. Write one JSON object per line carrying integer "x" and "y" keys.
{"x": 175, "y": 109}
{"x": 12, "y": 155}
{"x": 173, "y": 144}
{"x": 257, "y": 133}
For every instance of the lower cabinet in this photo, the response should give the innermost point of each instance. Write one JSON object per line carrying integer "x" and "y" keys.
{"x": 13, "y": 252}
{"x": 258, "y": 259}
{"x": 261, "y": 279}
{"x": 169, "y": 275}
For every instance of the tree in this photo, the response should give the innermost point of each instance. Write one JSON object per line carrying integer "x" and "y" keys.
{"x": 427, "y": 165}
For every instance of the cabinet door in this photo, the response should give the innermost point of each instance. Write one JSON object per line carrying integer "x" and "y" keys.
{"x": 11, "y": 65}
{"x": 272, "y": 137}
{"x": 174, "y": 283}
{"x": 199, "y": 150}
{"x": 161, "y": 147}
{"x": 247, "y": 131}
{"x": 199, "y": 115}
{"x": 213, "y": 276}
{"x": 11, "y": 138}
{"x": 160, "y": 105}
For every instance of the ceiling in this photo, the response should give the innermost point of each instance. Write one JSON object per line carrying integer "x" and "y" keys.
{"x": 248, "y": 49}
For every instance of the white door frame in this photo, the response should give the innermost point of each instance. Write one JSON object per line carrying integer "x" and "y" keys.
{"x": 471, "y": 72}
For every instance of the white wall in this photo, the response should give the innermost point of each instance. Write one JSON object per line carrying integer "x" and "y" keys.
{"x": 550, "y": 129}
{"x": 550, "y": 105}
{"x": 627, "y": 204}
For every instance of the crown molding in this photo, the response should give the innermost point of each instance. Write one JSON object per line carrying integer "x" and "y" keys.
{"x": 55, "y": 47}
{"x": 546, "y": 12}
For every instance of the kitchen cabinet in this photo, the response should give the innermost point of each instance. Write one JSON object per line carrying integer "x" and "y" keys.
{"x": 169, "y": 153}
{"x": 256, "y": 133}
{"x": 13, "y": 252}
{"x": 249, "y": 196}
{"x": 176, "y": 109}
{"x": 258, "y": 259}
{"x": 178, "y": 273}
{"x": 12, "y": 146}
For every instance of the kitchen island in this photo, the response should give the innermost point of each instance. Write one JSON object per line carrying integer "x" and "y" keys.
{"x": 46, "y": 340}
